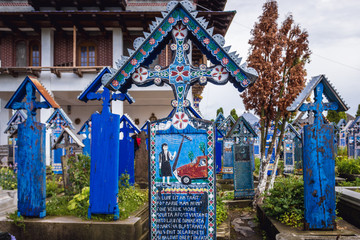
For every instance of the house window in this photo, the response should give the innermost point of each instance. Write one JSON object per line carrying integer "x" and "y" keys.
{"x": 34, "y": 55}
{"x": 20, "y": 54}
{"x": 87, "y": 54}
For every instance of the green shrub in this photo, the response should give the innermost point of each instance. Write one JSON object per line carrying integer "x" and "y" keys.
{"x": 53, "y": 186}
{"x": 342, "y": 151}
{"x": 351, "y": 183}
{"x": 79, "y": 172}
{"x": 257, "y": 166}
{"x": 285, "y": 202}
{"x": 8, "y": 178}
{"x": 221, "y": 209}
{"x": 345, "y": 165}
{"x": 129, "y": 198}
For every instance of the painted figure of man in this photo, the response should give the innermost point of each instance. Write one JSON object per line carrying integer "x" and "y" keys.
{"x": 164, "y": 163}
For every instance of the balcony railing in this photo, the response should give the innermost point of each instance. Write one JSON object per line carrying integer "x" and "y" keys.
{"x": 57, "y": 70}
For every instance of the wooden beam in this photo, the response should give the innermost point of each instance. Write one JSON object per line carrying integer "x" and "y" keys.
{"x": 74, "y": 46}
{"x": 78, "y": 72}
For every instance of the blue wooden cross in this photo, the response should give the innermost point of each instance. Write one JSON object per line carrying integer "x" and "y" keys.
{"x": 56, "y": 121}
{"x": 318, "y": 154}
{"x": 31, "y": 148}
{"x": 105, "y": 131}
{"x": 318, "y": 106}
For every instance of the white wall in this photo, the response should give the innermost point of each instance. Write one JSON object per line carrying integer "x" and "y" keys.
{"x": 144, "y": 112}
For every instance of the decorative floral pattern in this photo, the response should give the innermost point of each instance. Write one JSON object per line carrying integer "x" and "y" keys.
{"x": 206, "y": 41}
{"x": 186, "y": 46}
{"x": 180, "y": 73}
{"x": 133, "y": 61}
{"x": 173, "y": 46}
{"x": 115, "y": 83}
{"x": 180, "y": 31}
{"x": 186, "y": 19}
{"x": 157, "y": 68}
{"x": 225, "y": 61}
{"x": 152, "y": 41}
{"x": 171, "y": 20}
{"x": 219, "y": 73}
{"x": 157, "y": 81}
{"x": 140, "y": 74}
{"x": 180, "y": 120}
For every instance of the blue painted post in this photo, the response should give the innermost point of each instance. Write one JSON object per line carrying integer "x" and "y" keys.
{"x": 31, "y": 169}
{"x": 31, "y": 148}
{"x": 127, "y": 153}
{"x": 104, "y": 170}
{"x": 319, "y": 177}
{"x": 319, "y": 167}
{"x": 228, "y": 164}
{"x": 243, "y": 171}
{"x": 218, "y": 151}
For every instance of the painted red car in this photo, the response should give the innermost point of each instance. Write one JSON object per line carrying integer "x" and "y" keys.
{"x": 196, "y": 170}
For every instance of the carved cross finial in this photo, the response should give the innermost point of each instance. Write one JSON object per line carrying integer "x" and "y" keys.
{"x": 318, "y": 106}
{"x": 180, "y": 75}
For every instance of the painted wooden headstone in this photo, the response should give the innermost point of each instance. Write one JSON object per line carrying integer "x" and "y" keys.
{"x": 68, "y": 141}
{"x": 127, "y": 152}
{"x": 219, "y": 142}
{"x": 182, "y": 167}
{"x": 105, "y": 135}
{"x": 342, "y": 133}
{"x": 318, "y": 154}
{"x": 291, "y": 137}
{"x": 56, "y": 120}
{"x": 31, "y": 148}
{"x": 86, "y": 130}
{"x": 243, "y": 155}
{"x": 227, "y": 169}
{"x": 353, "y": 133}
{"x": 11, "y": 129}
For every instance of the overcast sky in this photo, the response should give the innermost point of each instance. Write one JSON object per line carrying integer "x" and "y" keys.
{"x": 334, "y": 36}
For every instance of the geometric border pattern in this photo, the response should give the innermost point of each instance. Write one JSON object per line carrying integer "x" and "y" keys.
{"x": 211, "y": 188}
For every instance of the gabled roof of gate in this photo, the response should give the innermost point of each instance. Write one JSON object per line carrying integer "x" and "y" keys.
{"x": 20, "y": 93}
{"x": 63, "y": 115}
{"x": 148, "y": 47}
{"x": 329, "y": 91}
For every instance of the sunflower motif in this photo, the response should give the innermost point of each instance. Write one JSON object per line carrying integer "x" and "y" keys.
{"x": 219, "y": 73}
{"x": 140, "y": 74}
{"x": 180, "y": 120}
{"x": 180, "y": 31}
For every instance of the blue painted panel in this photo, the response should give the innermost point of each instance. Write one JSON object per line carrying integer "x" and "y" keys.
{"x": 243, "y": 172}
{"x": 57, "y": 169}
{"x": 319, "y": 177}
{"x": 86, "y": 149}
{"x": 228, "y": 165}
{"x": 289, "y": 159}
{"x": 31, "y": 169}
{"x": 298, "y": 154}
{"x": 127, "y": 156}
{"x": 104, "y": 171}
{"x": 256, "y": 149}
{"x": 218, "y": 151}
